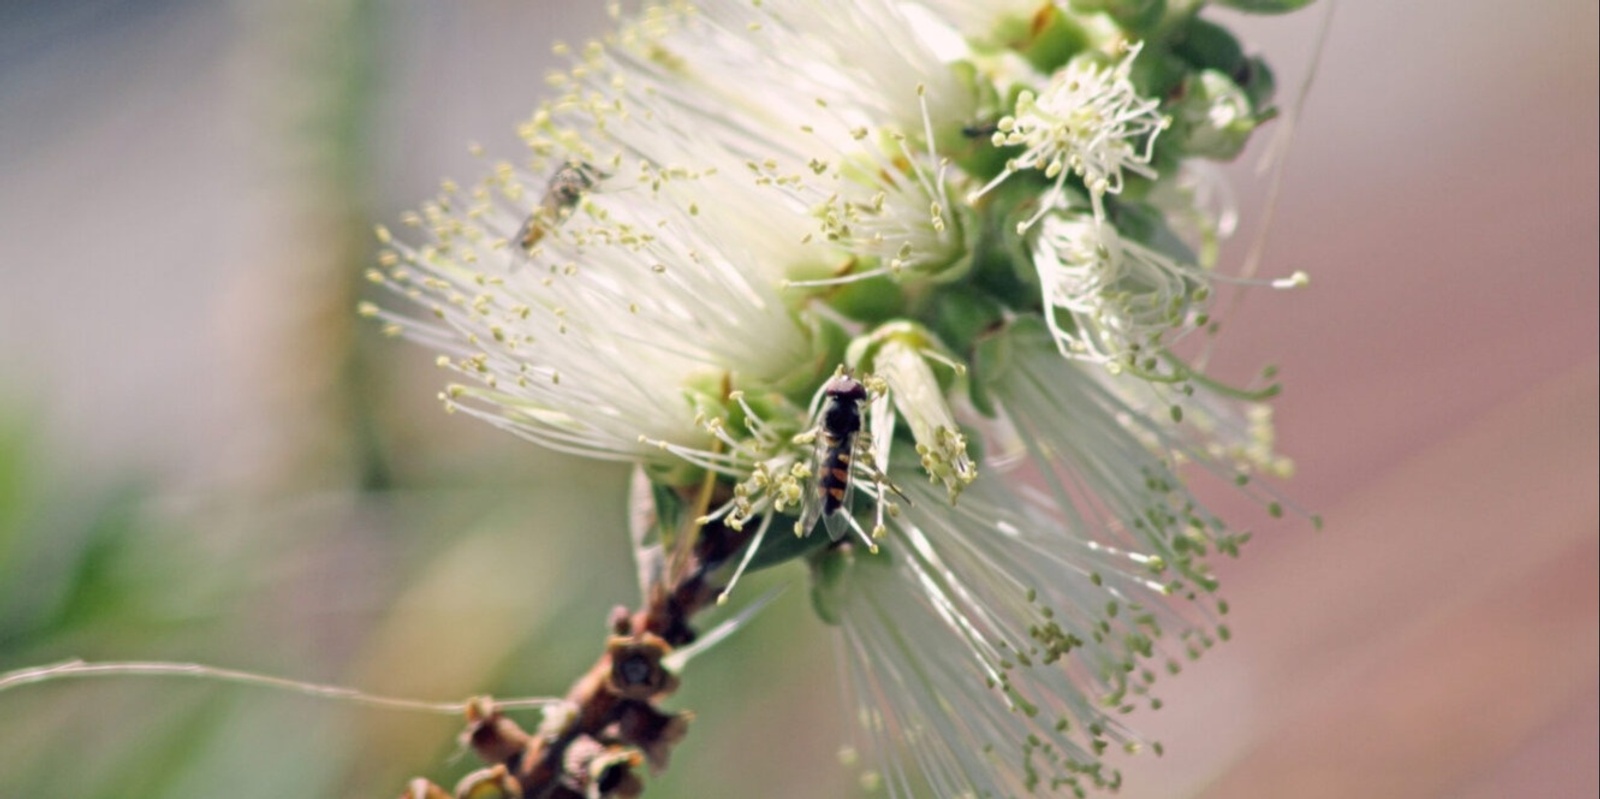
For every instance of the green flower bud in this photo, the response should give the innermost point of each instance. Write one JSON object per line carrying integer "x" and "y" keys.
{"x": 903, "y": 355}
{"x": 1135, "y": 16}
{"x": 1048, "y": 40}
{"x": 1215, "y": 118}
{"x": 1256, "y": 78}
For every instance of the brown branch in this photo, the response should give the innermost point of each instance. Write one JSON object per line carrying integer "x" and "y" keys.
{"x": 591, "y": 746}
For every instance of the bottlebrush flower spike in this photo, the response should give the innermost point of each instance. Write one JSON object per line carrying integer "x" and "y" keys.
{"x": 732, "y": 205}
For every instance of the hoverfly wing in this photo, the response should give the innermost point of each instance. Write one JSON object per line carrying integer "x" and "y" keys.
{"x": 811, "y": 502}
{"x": 837, "y": 520}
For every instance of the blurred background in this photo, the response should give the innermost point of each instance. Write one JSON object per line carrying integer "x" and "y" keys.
{"x": 205, "y": 456}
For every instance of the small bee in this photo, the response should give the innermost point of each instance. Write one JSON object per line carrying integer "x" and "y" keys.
{"x": 835, "y": 455}
{"x": 561, "y": 196}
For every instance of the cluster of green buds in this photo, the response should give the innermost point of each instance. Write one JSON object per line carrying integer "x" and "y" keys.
{"x": 931, "y": 255}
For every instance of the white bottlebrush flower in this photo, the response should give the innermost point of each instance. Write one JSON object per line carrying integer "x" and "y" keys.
{"x": 991, "y": 652}
{"x": 1230, "y": 428}
{"x": 609, "y": 330}
{"x": 980, "y": 20}
{"x": 1109, "y": 447}
{"x": 768, "y": 67}
{"x": 1062, "y": 584}
{"x": 1121, "y": 300}
{"x": 832, "y": 111}
{"x": 1089, "y": 121}
{"x": 614, "y": 335}
{"x": 698, "y": 247}
{"x": 1124, "y": 303}
{"x": 611, "y": 334}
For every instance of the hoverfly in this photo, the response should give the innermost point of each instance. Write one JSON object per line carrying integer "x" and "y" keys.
{"x": 838, "y": 442}
{"x": 561, "y": 196}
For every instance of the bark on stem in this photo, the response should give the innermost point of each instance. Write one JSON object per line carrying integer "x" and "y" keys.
{"x": 590, "y": 747}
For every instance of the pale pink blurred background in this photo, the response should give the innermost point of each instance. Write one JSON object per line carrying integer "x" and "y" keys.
{"x": 1437, "y": 638}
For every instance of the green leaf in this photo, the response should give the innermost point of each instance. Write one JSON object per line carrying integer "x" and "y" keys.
{"x": 1265, "y": 6}
{"x": 873, "y": 300}
{"x": 781, "y": 545}
{"x": 1207, "y": 45}
{"x": 959, "y": 318}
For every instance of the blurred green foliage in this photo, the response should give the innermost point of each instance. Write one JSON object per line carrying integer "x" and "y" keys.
{"x": 428, "y": 593}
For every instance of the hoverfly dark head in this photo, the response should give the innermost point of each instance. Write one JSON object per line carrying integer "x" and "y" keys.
{"x": 845, "y": 387}
{"x": 568, "y": 184}
{"x": 583, "y": 173}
